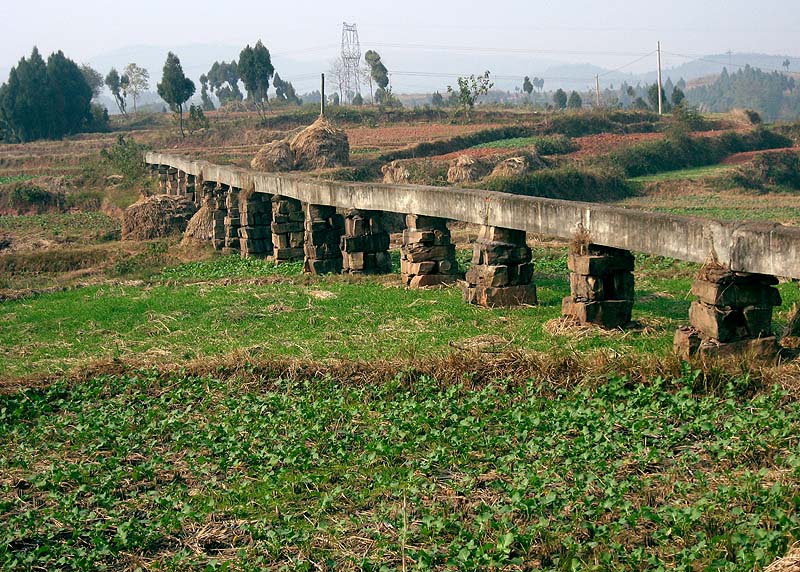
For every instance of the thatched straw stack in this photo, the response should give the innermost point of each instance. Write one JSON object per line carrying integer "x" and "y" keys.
{"x": 274, "y": 156}
{"x": 395, "y": 172}
{"x": 320, "y": 145}
{"x": 466, "y": 169}
{"x": 511, "y": 167}
{"x": 156, "y": 216}
{"x": 200, "y": 227}
{"x": 789, "y": 563}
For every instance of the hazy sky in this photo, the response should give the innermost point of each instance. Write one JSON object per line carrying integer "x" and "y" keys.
{"x": 609, "y": 33}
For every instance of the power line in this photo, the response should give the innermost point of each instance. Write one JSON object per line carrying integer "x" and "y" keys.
{"x": 472, "y": 49}
{"x": 724, "y": 64}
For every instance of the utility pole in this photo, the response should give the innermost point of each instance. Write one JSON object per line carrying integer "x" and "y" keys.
{"x": 322, "y": 98}
{"x": 597, "y": 89}
{"x": 660, "y": 104}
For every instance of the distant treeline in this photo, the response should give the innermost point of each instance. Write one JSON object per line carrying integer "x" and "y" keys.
{"x": 772, "y": 94}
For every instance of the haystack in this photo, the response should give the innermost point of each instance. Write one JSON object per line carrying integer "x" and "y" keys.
{"x": 201, "y": 226}
{"x": 156, "y": 216}
{"x": 789, "y": 563}
{"x": 274, "y": 156}
{"x": 466, "y": 169}
{"x": 320, "y": 145}
{"x": 511, "y": 167}
{"x": 395, "y": 172}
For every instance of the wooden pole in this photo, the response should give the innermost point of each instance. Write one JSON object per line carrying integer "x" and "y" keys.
{"x": 322, "y": 98}
{"x": 660, "y": 103}
{"x": 597, "y": 89}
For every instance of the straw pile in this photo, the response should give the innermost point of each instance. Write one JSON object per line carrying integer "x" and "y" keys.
{"x": 274, "y": 156}
{"x": 466, "y": 169}
{"x": 156, "y": 216}
{"x": 395, "y": 172}
{"x": 319, "y": 146}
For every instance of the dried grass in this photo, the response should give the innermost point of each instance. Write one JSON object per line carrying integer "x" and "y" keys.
{"x": 789, "y": 563}
{"x": 466, "y": 169}
{"x": 395, "y": 173}
{"x": 580, "y": 242}
{"x": 319, "y": 146}
{"x": 156, "y": 216}
{"x": 273, "y": 157}
{"x": 512, "y": 167}
{"x": 200, "y": 227}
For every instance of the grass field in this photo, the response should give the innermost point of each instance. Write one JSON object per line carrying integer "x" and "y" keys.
{"x": 163, "y": 407}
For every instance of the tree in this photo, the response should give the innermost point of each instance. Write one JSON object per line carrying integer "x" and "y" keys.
{"x": 538, "y": 83}
{"x": 175, "y": 88}
{"x": 118, "y": 86}
{"x": 256, "y": 70}
{"x": 223, "y": 78}
{"x": 138, "y": 81}
{"x": 358, "y": 100}
{"x": 45, "y": 100}
{"x": 560, "y": 98}
{"x": 575, "y": 101}
{"x": 652, "y": 97}
{"x": 527, "y": 86}
{"x": 208, "y": 105}
{"x": 70, "y": 93}
{"x": 377, "y": 73}
{"x": 284, "y": 90}
{"x": 786, "y": 64}
{"x": 93, "y": 78}
{"x": 437, "y": 100}
{"x": 470, "y": 89}
{"x": 678, "y": 96}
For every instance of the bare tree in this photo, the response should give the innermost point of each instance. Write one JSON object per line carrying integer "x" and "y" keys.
{"x": 138, "y": 79}
{"x": 337, "y": 73}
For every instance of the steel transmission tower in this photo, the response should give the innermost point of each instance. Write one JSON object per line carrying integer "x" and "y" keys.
{"x": 351, "y": 61}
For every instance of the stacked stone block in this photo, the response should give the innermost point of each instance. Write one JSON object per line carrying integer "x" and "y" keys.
{"x": 288, "y": 232}
{"x": 502, "y": 272}
{"x": 172, "y": 181}
{"x": 427, "y": 257}
{"x": 601, "y": 287}
{"x": 191, "y": 187}
{"x": 324, "y": 228}
{"x": 218, "y": 213}
{"x": 232, "y": 221}
{"x": 731, "y": 316}
{"x": 163, "y": 176}
{"x": 255, "y": 218}
{"x": 365, "y": 244}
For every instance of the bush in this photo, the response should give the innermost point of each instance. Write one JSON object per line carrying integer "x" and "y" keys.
{"x": 679, "y": 150}
{"x": 126, "y": 157}
{"x": 25, "y": 198}
{"x": 780, "y": 169}
{"x": 568, "y": 183}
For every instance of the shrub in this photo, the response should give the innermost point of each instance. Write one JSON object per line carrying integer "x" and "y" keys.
{"x": 126, "y": 157}
{"x": 769, "y": 169}
{"x": 568, "y": 183}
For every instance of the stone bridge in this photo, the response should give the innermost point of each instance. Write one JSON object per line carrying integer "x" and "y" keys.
{"x": 298, "y": 217}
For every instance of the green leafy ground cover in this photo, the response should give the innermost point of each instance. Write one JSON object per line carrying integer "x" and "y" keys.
{"x": 69, "y": 227}
{"x": 214, "y": 307}
{"x": 4, "y": 179}
{"x": 685, "y": 174}
{"x": 142, "y": 471}
{"x": 544, "y": 145}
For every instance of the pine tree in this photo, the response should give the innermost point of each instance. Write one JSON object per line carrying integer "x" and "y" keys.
{"x": 175, "y": 88}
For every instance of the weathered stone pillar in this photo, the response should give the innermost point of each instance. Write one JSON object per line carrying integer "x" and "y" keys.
{"x": 191, "y": 187}
{"x": 732, "y": 315}
{"x": 601, "y": 287}
{"x": 255, "y": 218}
{"x": 163, "y": 175}
{"x": 287, "y": 229}
{"x": 427, "y": 257}
{"x": 181, "y": 183}
{"x": 365, "y": 244}
{"x": 172, "y": 181}
{"x": 232, "y": 221}
{"x": 218, "y": 233}
{"x": 324, "y": 228}
{"x": 502, "y": 272}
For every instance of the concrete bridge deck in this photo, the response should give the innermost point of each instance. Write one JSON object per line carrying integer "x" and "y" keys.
{"x": 760, "y": 248}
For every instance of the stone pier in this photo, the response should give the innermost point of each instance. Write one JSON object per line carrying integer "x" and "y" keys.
{"x": 427, "y": 257}
{"x": 323, "y": 234}
{"x": 163, "y": 175}
{"x": 365, "y": 244}
{"x": 172, "y": 181}
{"x": 255, "y": 219}
{"x": 601, "y": 286}
{"x": 732, "y": 315}
{"x": 232, "y": 221}
{"x": 288, "y": 233}
{"x": 191, "y": 188}
{"x": 180, "y": 187}
{"x": 502, "y": 271}
{"x": 219, "y": 212}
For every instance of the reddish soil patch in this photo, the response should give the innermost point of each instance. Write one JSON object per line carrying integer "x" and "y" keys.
{"x": 593, "y": 145}
{"x": 395, "y": 136}
{"x": 740, "y": 158}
